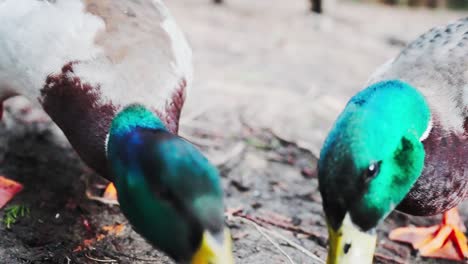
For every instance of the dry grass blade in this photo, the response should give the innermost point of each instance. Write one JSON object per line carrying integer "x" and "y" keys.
{"x": 295, "y": 245}
{"x": 261, "y": 231}
{"x": 238, "y": 213}
{"x": 279, "y": 224}
{"x": 101, "y": 200}
{"x": 101, "y": 260}
{"x": 154, "y": 260}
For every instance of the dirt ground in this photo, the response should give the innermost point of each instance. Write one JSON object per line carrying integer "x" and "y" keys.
{"x": 270, "y": 80}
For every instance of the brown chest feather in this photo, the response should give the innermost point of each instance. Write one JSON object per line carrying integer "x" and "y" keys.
{"x": 75, "y": 108}
{"x": 79, "y": 110}
{"x": 444, "y": 181}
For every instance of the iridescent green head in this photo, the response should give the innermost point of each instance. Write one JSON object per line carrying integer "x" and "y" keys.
{"x": 369, "y": 162}
{"x": 168, "y": 190}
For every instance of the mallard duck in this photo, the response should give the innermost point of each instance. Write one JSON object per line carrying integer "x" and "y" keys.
{"x": 402, "y": 143}
{"x": 113, "y": 75}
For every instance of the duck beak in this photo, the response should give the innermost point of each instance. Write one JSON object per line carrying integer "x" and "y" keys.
{"x": 214, "y": 249}
{"x": 349, "y": 244}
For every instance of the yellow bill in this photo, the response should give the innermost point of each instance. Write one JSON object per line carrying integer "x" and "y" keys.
{"x": 350, "y": 245}
{"x": 213, "y": 251}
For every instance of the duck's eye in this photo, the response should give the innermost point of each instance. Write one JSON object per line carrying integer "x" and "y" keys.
{"x": 373, "y": 170}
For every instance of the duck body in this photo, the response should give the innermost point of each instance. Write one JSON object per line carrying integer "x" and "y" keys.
{"x": 113, "y": 75}
{"x": 437, "y": 65}
{"x": 84, "y": 60}
{"x": 402, "y": 143}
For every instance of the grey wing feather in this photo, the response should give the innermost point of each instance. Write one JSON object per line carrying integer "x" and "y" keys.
{"x": 436, "y": 63}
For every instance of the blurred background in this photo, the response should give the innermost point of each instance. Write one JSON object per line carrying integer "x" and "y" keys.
{"x": 271, "y": 76}
{"x": 315, "y": 5}
{"x": 455, "y": 4}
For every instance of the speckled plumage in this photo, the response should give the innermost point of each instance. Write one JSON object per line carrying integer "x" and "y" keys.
{"x": 437, "y": 65}
{"x": 84, "y": 60}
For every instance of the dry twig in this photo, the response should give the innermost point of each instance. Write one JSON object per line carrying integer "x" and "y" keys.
{"x": 259, "y": 223}
{"x": 261, "y": 231}
{"x": 100, "y": 199}
{"x": 136, "y": 258}
{"x": 295, "y": 245}
{"x": 282, "y": 224}
{"x": 101, "y": 260}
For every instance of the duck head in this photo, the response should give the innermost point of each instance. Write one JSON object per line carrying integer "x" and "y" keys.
{"x": 168, "y": 190}
{"x": 369, "y": 162}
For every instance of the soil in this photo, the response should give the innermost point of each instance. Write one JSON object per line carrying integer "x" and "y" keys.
{"x": 271, "y": 78}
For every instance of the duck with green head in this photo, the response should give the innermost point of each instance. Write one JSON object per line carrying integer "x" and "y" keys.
{"x": 402, "y": 143}
{"x": 113, "y": 75}
{"x": 167, "y": 189}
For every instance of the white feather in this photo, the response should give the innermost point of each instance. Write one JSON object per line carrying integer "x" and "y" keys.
{"x": 180, "y": 48}
{"x": 132, "y": 50}
{"x": 427, "y": 132}
{"x": 37, "y": 37}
